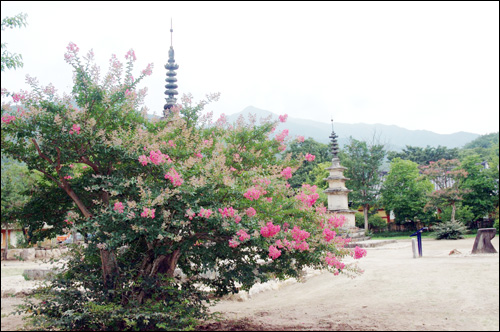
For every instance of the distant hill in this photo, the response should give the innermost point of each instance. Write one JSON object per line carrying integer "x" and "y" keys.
{"x": 395, "y": 138}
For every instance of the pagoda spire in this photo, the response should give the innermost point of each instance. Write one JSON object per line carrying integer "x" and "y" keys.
{"x": 334, "y": 144}
{"x": 171, "y": 80}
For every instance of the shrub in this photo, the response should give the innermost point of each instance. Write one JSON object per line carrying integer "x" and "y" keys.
{"x": 449, "y": 231}
{"x": 496, "y": 224}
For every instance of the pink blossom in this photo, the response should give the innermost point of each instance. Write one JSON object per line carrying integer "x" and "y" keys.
{"x": 172, "y": 144}
{"x": 310, "y": 157}
{"x": 283, "y": 117}
{"x": 299, "y": 235}
{"x": 149, "y": 70}
{"x": 282, "y": 147}
{"x": 190, "y": 214}
{"x": 75, "y": 129}
{"x": 8, "y": 118}
{"x": 68, "y": 177}
{"x": 143, "y": 160}
{"x": 233, "y": 243}
{"x": 157, "y": 157}
{"x": 270, "y": 230}
{"x": 334, "y": 262}
{"x": 269, "y": 199}
{"x": 127, "y": 92}
{"x": 71, "y": 165}
{"x": 329, "y": 234}
{"x": 131, "y": 54}
{"x": 174, "y": 177}
{"x": 274, "y": 252}
{"x": 84, "y": 166}
{"x": 232, "y": 169}
{"x": 237, "y": 219}
{"x": 198, "y": 155}
{"x": 281, "y": 136}
{"x": 336, "y": 221}
{"x": 300, "y": 139}
{"x": 252, "y": 194}
{"x": 205, "y": 213}
{"x": 302, "y": 246}
{"x": 17, "y": 97}
{"x": 251, "y": 212}
{"x": 287, "y": 173}
{"x": 242, "y": 235}
{"x": 358, "y": 253}
{"x": 118, "y": 207}
{"x": 308, "y": 195}
{"x": 227, "y": 212}
{"x": 146, "y": 212}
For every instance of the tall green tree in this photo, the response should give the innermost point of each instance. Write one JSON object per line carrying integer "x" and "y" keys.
{"x": 481, "y": 194}
{"x": 363, "y": 162}
{"x": 11, "y": 60}
{"x": 404, "y": 191}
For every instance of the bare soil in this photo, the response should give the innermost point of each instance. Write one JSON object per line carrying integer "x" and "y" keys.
{"x": 439, "y": 291}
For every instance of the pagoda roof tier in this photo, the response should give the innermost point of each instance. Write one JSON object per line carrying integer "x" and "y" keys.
{"x": 336, "y": 178}
{"x": 336, "y": 191}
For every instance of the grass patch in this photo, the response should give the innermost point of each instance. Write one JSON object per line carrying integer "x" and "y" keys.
{"x": 406, "y": 235}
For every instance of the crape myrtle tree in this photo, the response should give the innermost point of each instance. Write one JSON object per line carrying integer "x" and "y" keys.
{"x": 210, "y": 199}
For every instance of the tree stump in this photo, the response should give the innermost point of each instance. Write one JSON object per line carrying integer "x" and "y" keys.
{"x": 482, "y": 244}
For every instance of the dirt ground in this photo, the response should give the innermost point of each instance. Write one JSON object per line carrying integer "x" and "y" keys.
{"x": 439, "y": 291}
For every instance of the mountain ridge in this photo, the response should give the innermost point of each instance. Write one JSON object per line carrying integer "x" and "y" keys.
{"x": 393, "y": 136}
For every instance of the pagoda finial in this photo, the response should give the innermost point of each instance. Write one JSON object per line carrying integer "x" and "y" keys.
{"x": 171, "y": 33}
{"x": 335, "y": 145}
{"x": 171, "y": 80}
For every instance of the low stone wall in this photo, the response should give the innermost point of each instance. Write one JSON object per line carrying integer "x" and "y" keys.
{"x": 30, "y": 254}
{"x": 40, "y": 274}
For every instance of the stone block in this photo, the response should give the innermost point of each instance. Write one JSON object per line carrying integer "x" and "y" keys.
{"x": 28, "y": 254}
{"x": 14, "y": 253}
{"x": 40, "y": 253}
{"x": 482, "y": 244}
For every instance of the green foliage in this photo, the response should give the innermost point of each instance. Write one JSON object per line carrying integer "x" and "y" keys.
{"x": 480, "y": 186}
{"x": 495, "y": 224}
{"x": 405, "y": 192}
{"x": 450, "y": 230}
{"x": 463, "y": 214}
{"x": 307, "y": 172}
{"x": 11, "y": 60}
{"x": 423, "y": 156}
{"x": 374, "y": 221}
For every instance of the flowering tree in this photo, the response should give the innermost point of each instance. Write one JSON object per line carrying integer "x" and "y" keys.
{"x": 210, "y": 199}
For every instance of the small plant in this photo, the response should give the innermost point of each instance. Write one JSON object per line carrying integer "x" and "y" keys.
{"x": 450, "y": 230}
{"x": 19, "y": 258}
{"x": 25, "y": 276}
{"x": 496, "y": 225}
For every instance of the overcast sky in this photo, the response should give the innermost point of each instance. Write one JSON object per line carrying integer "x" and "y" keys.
{"x": 418, "y": 65}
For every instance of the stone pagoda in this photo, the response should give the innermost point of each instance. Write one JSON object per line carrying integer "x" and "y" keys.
{"x": 337, "y": 191}
{"x": 171, "y": 80}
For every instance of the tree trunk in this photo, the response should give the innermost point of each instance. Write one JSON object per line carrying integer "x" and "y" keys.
{"x": 365, "y": 213}
{"x": 453, "y": 211}
{"x": 6, "y": 242}
{"x": 153, "y": 266}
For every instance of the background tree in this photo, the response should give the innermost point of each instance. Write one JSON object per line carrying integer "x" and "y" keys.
{"x": 299, "y": 150}
{"x": 423, "y": 156}
{"x": 363, "y": 162}
{"x": 17, "y": 184}
{"x": 481, "y": 194}
{"x": 11, "y": 60}
{"x": 404, "y": 191}
{"x": 446, "y": 176}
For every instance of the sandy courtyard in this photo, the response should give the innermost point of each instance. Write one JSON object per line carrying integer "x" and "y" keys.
{"x": 397, "y": 292}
